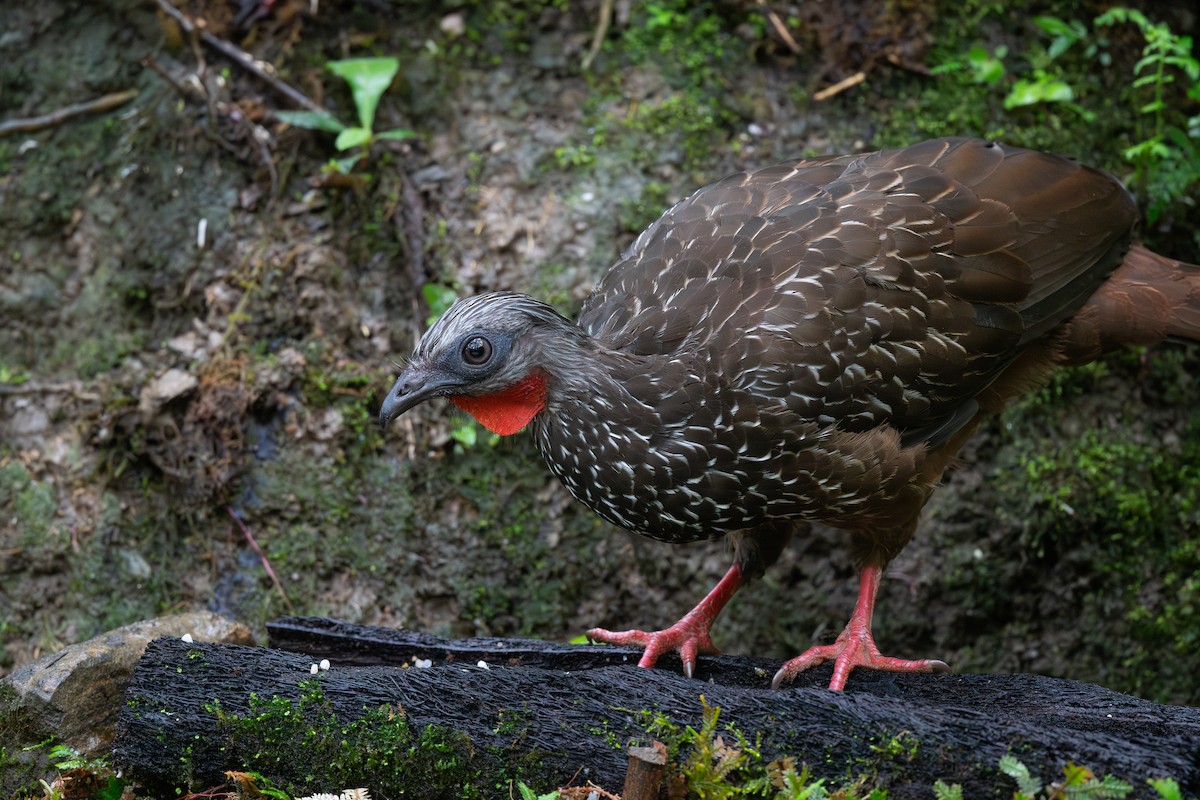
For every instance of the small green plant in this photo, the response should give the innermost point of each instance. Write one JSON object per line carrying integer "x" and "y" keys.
{"x": 901, "y": 747}
{"x": 1167, "y": 788}
{"x": 466, "y": 434}
{"x": 254, "y": 784}
{"x": 1078, "y": 781}
{"x": 368, "y": 78}
{"x": 1045, "y": 83}
{"x": 75, "y": 771}
{"x": 986, "y": 67}
{"x": 947, "y": 791}
{"x": 530, "y": 794}
{"x": 438, "y": 298}
{"x": 1040, "y": 87}
{"x": 1166, "y": 161}
{"x": 12, "y": 376}
{"x": 570, "y": 156}
{"x": 724, "y": 765}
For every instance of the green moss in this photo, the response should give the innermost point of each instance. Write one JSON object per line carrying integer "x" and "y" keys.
{"x": 1056, "y": 82}
{"x": 32, "y": 503}
{"x": 302, "y": 746}
{"x": 721, "y": 762}
{"x": 1117, "y": 490}
{"x": 636, "y": 214}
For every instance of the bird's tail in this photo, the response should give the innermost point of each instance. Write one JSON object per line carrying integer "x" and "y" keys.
{"x": 1147, "y": 299}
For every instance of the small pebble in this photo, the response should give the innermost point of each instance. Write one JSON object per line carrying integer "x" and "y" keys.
{"x": 313, "y": 670}
{"x": 423, "y": 663}
{"x": 187, "y": 638}
{"x": 324, "y": 664}
{"x": 482, "y": 665}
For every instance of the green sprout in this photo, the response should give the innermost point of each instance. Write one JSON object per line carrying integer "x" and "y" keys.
{"x": 1166, "y": 161}
{"x": 369, "y": 78}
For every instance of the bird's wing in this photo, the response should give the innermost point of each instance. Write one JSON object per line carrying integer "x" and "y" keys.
{"x": 891, "y": 287}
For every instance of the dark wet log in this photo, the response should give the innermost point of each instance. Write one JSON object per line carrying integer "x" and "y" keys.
{"x": 365, "y": 645}
{"x": 908, "y": 730}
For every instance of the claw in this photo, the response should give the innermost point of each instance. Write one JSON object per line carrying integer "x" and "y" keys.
{"x": 689, "y": 636}
{"x": 855, "y": 647}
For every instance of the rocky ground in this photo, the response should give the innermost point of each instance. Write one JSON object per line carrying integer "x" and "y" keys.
{"x": 199, "y": 321}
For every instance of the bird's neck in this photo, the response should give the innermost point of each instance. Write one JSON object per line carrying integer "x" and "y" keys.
{"x": 600, "y": 430}
{"x": 589, "y": 380}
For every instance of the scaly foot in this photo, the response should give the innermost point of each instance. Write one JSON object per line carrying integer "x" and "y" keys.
{"x": 689, "y": 636}
{"x": 856, "y": 646}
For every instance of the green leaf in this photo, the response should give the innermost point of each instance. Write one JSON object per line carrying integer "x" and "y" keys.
{"x": 1076, "y": 774}
{"x": 438, "y": 298}
{"x": 1167, "y": 788}
{"x": 396, "y": 134}
{"x": 369, "y": 78}
{"x": 529, "y": 794}
{"x": 342, "y": 166}
{"x": 1040, "y": 90}
{"x": 945, "y": 791}
{"x": 352, "y": 137}
{"x": 1012, "y": 767}
{"x": 1053, "y": 26}
{"x": 313, "y": 120}
{"x": 466, "y": 434}
{"x": 986, "y": 67}
{"x": 113, "y": 790}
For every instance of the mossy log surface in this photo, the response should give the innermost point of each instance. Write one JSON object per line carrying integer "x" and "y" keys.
{"x": 570, "y": 710}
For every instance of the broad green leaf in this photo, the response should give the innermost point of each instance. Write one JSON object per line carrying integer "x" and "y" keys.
{"x": 352, "y": 137}
{"x": 369, "y": 78}
{"x": 313, "y": 120}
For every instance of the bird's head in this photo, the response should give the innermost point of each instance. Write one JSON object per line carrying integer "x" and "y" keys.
{"x": 484, "y": 355}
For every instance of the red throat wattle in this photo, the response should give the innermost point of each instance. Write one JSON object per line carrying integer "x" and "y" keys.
{"x": 509, "y": 410}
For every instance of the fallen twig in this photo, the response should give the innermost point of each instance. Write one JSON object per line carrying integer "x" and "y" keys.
{"x": 780, "y": 28}
{"x": 239, "y": 57}
{"x": 606, "y": 11}
{"x": 101, "y": 104}
{"x": 840, "y": 86}
{"x": 192, "y": 91}
{"x": 261, "y": 556}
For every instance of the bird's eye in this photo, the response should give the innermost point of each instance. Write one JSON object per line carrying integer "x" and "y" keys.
{"x": 477, "y": 351}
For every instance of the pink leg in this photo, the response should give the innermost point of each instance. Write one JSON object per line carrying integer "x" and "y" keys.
{"x": 689, "y": 635}
{"x": 855, "y": 647}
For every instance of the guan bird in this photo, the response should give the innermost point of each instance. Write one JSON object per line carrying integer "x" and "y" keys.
{"x": 811, "y": 341}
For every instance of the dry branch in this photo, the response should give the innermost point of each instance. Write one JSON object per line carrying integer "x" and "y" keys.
{"x": 240, "y": 57}
{"x": 101, "y": 104}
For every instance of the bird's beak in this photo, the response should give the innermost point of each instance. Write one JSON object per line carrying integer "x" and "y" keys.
{"x": 415, "y": 385}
